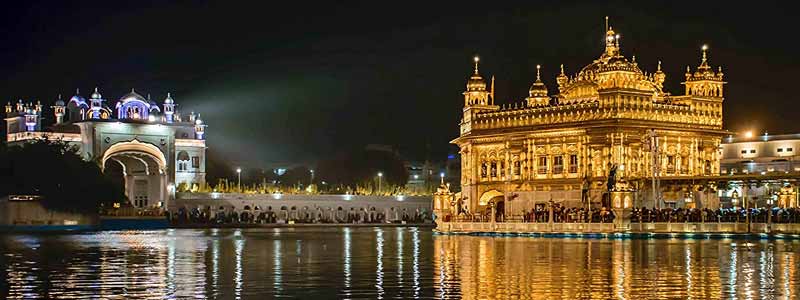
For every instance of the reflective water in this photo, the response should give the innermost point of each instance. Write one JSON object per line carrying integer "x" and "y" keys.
{"x": 330, "y": 263}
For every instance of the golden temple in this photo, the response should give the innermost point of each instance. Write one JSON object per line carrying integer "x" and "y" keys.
{"x": 603, "y": 120}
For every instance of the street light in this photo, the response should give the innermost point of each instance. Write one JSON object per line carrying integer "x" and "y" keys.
{"x": 239, "y": 174}
{"x": 380, "y": 176}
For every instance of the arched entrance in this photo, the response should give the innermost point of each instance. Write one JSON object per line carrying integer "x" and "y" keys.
{"x": 489, "y": 197}
{"x": 143, "y": 169}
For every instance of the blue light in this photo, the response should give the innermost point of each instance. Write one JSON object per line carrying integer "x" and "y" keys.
{"x": 451, "y": 156}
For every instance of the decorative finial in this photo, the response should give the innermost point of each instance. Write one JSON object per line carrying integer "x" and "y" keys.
{"x": 538, "y": 67}
{"x": 133, "y": 91}
{"x": 607, "y": 24}
{"x": 704, "y": 48}
{"x": 169, "y": 95}
{"x": 77, "y": 91}
{"x": 562, "y": 69}
{"x": 688, "y": 70}
{"x": 659, "y": 66}
{"x": 59, "y": 96}
{"x": 476, "y": 59}
{"x": 633, "y": 59}
{"x": 95, "y": 89}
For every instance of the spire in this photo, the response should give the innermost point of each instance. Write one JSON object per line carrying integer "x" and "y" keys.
{"x": 704, "y": 48}
{"x": 492, "y": 91}
{"x": 476, "y": 59}
{"x": 704, "y": 61}
{"x": 659, "y": 66}
{"x": 77, "y": 91}
{"x": 612, "y": 42}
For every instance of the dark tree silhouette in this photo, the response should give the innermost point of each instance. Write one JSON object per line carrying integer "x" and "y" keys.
{"x": 361, "y": 167}
{"x": 55, "y": 171}
{"x": 295, "y": 176}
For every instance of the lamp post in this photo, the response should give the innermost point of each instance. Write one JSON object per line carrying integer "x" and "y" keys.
{"x": 239, "y": 182}
{"x": 380, "y": 177}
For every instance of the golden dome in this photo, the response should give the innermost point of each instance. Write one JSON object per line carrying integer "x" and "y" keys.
{"x": 538, "y": 89}
{"x": 476, "y": 82}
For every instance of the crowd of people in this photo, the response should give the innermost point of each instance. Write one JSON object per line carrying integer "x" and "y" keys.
{"x": 307, "y": 216}
{"x": 757, "y": 215}
{"x": 563, "y": 214}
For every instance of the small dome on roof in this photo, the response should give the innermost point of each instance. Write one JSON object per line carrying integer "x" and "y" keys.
{"x": 538, "y": 89}
{"x": 133, "y": 96}
{"x": 169, "y": 99}
{"x": 59, "y": 102}
{"x": 96, "y": 94}
{"x": 79, "y": 101}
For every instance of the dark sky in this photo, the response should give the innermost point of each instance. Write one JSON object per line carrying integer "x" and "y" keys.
{"x": 298, "y": 81}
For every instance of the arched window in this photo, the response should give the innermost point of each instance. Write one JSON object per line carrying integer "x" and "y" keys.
{"x": 183, "y": 161}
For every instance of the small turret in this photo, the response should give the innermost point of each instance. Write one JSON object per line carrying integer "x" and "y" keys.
{"x": 659, "y": 77}
{"x": 169, "y": 108}
{"x": 562, "y": 80}
{"x": 538, "y": 91}
{"x": 96, "y": 104}
{"x": 476, "y": 93}
{"x": 59, "y": 109}
{"x": 199, "y": 127}
{"x": 31, "y": 119}
{"x": 704, "y": 82}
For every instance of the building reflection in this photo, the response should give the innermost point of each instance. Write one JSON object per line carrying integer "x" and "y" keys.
{"x": 504, "y": 268}
{"x": 393, "y": 263}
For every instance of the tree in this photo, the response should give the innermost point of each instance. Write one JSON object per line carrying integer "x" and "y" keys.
{"x": 56, "y": 172}
{"x": 295, "y": 176}
{"x": 361, "y": 168}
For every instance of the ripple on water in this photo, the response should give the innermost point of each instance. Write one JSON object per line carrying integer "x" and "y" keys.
{"x": 374, "y": 263}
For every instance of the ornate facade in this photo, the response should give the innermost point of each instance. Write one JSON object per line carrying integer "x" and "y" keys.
{"x": 157, "y": 150}
{"x": 604, "y": 116}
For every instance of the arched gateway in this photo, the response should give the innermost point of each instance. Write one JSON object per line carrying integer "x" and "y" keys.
{"x": 144, "y": 170}
{"x": 154, "y": 149}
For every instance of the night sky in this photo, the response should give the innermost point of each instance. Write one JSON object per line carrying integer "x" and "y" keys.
{"x": 297, "y": 82}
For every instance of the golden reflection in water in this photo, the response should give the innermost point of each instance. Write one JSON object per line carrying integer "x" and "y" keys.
{"x": 548, "y": 268}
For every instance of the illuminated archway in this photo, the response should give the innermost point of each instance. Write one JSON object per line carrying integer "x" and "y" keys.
{"x": 488, "y": 195}
{"x": 144, "y": 170}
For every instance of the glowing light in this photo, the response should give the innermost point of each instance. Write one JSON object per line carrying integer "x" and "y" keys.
{"x": 441, "y": 175}
{"x": 416, "y": 176}
{"x": 476, "y": 58}
{"x": 380, "y": 174}
{"x": 705, "y": 47}
{"x": 748, "y": 134}
{"x": 238, "y": 170}
{"x": 151, "y": 118}
{"x": 400, "y": 197}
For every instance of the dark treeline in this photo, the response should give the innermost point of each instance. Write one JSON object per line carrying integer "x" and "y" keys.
{"x": 55, "y": 171}
{"x": 350, "y": 169}
{"x": 361, "y": 167}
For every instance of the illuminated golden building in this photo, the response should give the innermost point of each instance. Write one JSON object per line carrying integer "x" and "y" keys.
{"x": 602, "y": 117}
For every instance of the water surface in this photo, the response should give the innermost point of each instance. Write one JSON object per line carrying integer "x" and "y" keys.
{"x": 365, "y": 262}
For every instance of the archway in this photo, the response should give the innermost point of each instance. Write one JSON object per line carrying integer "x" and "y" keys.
{"x": 143, "y": 169}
